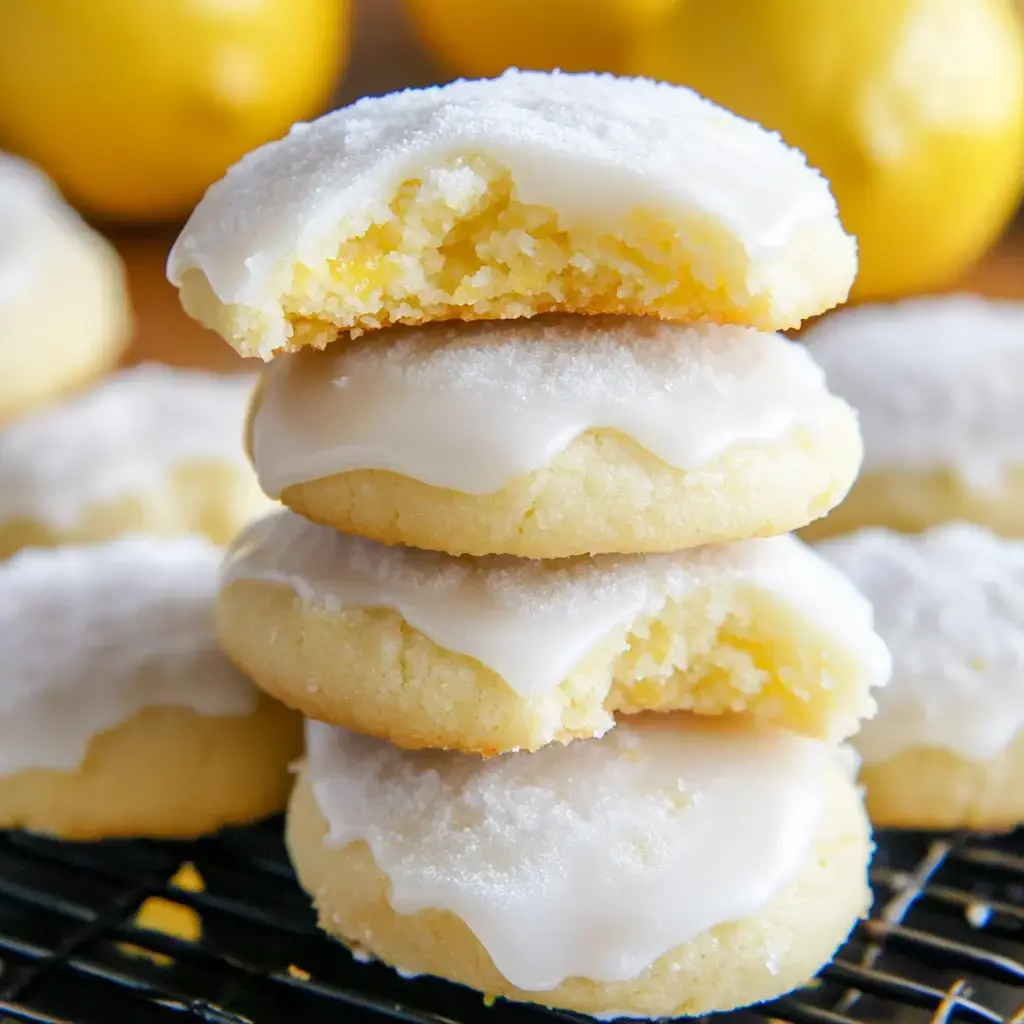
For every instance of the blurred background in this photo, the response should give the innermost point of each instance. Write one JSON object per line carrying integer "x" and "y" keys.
{"x": 914, "y": 109}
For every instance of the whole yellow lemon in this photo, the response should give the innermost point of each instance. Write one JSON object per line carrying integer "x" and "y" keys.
{"x": 481, "y": 38}
{"x": 134, "y": 107}
{"x": 914, "y": 110}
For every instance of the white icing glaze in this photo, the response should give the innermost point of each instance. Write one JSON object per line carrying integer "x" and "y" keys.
{"x": 471, "y": 406}
{"x": 122, "y": 438}
{"x": 532, "y": 622}
{"x": 589, "y": 860}
{"x": 950, "y": 605}
{"x": 589, "y": 146}
{"x": 938, "y": 382}
{"x": 91, "y": 635}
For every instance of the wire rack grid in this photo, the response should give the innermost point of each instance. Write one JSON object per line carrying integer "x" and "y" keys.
{"x": 945, "y": 942}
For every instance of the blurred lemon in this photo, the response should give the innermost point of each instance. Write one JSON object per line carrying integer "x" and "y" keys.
{"x": 135, "y": 107}
{"x": 480, "y": 38}
{"x": 914, "y": 109}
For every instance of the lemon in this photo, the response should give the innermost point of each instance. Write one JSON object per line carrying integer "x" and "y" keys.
{"x": 914, "y": 110}
{"x": 134, "y": 107}
{"x": 481, "y": 38}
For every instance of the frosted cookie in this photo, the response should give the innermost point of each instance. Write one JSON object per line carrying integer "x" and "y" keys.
{"x": 63, "y": 310}
{"x": 498, "y": 654}
{"x": 502, "y": 198}
{"x": 557, "y": 436}
{"x": 153, "y": 449}
{"x": 118, "y": 714}
{"x": 673, "y": 867}
{"x": 947, "y": 746}
{"x": 939, "y": 386}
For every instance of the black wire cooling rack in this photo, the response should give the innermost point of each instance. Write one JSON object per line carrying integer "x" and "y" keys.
{"x": 945, "y": 942}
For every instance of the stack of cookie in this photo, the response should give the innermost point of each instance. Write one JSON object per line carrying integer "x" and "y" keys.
{"x": 516, "y": 530}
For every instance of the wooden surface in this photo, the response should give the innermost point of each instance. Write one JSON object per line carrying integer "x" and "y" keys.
{"x": 165, "y": 333}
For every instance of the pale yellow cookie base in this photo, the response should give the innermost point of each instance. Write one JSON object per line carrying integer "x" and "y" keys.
{"x": 214, "y": 500}
{"x": 604, "y": 493}
{"x": 721, "y": 650}
{"x": 912, "y": 502}
{"x": 728, "y": 966}
{"x": 479, "y": 253}
{"x": 165, "y": 772}
{"x": 63, "y": 336}
{"x": 929, "y": 788}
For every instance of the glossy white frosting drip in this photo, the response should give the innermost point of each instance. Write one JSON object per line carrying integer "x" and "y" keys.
{"x": 471, "y": 406}
{"x": 590, "y": 860}
{"x": 589, "y": 146}
{"x": 121, "y": 438}
{"x": 89, "y": 636}
{"x": 938, "y": 382}
{"x": 532, "y": 622}
{"x": 950, "y": 605}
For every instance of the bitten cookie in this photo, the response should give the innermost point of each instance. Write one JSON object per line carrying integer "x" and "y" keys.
{"x": 118, "y": 715}
{"x": 946, "y": 749}
{"x": 153, "y": 449}
{"x": 939, "y": 386}
{"x": 671, "y": 868}
{"x": 491, "y": 655}
{"x": 555, "y": 436}
{"x": 64, "y": 316}
{"x": 529, "y": 193}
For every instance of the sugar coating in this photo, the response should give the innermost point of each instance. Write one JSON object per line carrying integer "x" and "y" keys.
{"x": 533, "y": 621}
{"x": 590, "y": 860}
{"x": 950, "y": 605}
{"x": 121, "y": 438}
{"x": 614, "y": 359}
{"x": 589, "y": 146}
{"x": 471, "y": 406}
{"x": 91, "y": 635}
{"x": 633, "y": 128}
{"x": 938, "y": 382}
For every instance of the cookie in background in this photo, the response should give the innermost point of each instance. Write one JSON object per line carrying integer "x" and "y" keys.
{"x": 64, "y": 317}
{"x": 119, "y": 716}
{"x": 152, "y": 450}
{"x": 938, "y": 384}
{"x": 946, "y": 749}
